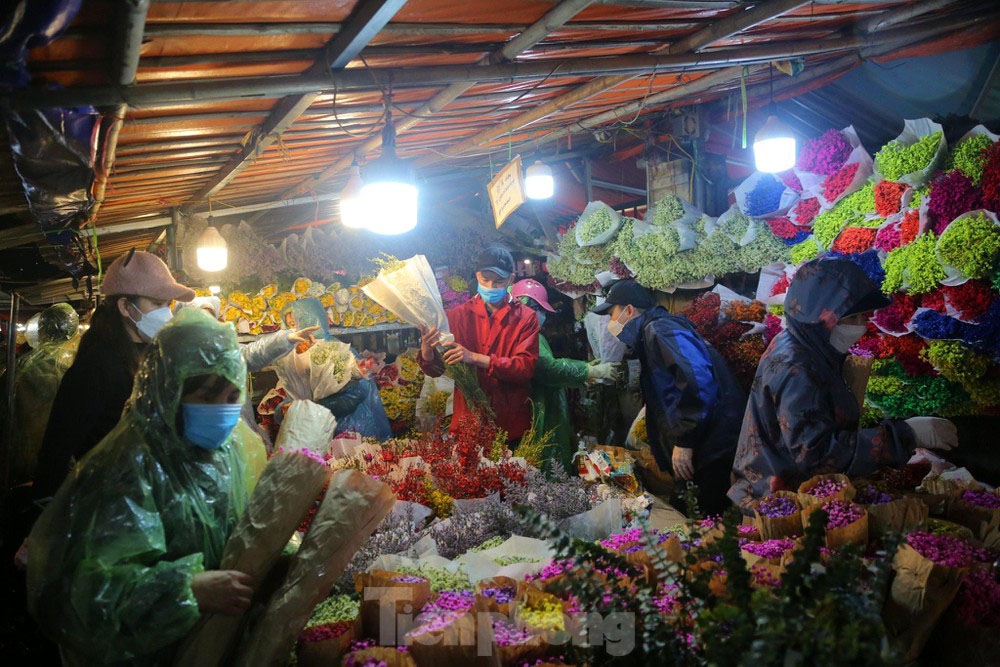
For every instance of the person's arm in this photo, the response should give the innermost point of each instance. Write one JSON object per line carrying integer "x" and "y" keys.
{"x": 563, "y": 373}
{"x": 519, "y": 365}
{"x": 266, "y": 349}
{"x": 805, "y": 413}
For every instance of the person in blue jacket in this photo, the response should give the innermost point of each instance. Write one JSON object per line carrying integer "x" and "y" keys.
{"x": 694, "y": 404}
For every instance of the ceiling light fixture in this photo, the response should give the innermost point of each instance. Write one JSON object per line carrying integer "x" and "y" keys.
{"x": 212, "y": 252}
{"x": 538, "y": 181}
{"x": 389, "y": 193}
{"x": 351, "y": 204}
{"x": 774, "y": 144}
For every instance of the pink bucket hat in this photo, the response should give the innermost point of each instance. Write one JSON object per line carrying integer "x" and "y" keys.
{"x": 143, "y": 274}
{"x": 533, "y": 290}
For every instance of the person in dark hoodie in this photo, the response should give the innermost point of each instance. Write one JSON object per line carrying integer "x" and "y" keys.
{"x": 802, "y": 419}
{"x": 693, "y": 401}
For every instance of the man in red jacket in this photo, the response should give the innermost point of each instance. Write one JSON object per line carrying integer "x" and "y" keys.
{"x": 496, "y": 335}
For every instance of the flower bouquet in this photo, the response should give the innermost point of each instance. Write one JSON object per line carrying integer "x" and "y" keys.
{"x": 778, "y": 515}
{"x": 818, "y": 489}
{"x": 447, "y": 632}
{"x": 409, "y": 593}
{"x": 852, "y": 174}
{"x": 672, "y": 210}
{"x": 498, "y": 593}
{"x": 763, "y": 196}
{"x": 334, "y": 624}
{"x": 969, "y": 247}
{"x": 774, "y": 552}
{"x": 597, "y": 225}
{"x": 286, "y": 491}
{"x": 889, "y": 514}
{"x": 914, "y": 155}
{"x": 975, "y": 509}
{"x": 846, "y": 523}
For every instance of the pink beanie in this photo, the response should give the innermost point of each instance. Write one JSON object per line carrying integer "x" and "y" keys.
{"x": 143, "y": 274}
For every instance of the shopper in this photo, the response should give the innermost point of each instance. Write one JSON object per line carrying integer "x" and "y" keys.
{"x": 693, "y": 402}
{"x": 495, "y": 335}
{"x": 552, "y": 378}
{"x": 122, "y": 563}
{"x": 138, "y": 290}
{"x": 802, "y": 419}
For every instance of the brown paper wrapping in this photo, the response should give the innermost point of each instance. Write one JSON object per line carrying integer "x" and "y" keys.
{"x": 936, "y": 503}
{"x": 328, "y": 652}
{"x": 973, "y": 517}
{"x": 991, "y": 534}
{"x": 390, "y": 656}
{"x": 458, "y": 644}
{"x": 807, "y": 501}
{"x": 410, "y": 598}
{"x": 353, "y": 507}
{"x": 531, "y": 650}
{"x": 895, "y": 516}
{"x": 774, "y": 528}
{"x": 656, "y": 481}
{"x": 285, "y": 492}
{"x": 491, "y": 605}
{"x": 920, "y": 592}
{"x": 856, "y": 372}
{"x": 852, "y": 533}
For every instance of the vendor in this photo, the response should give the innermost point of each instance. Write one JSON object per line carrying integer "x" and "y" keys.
{"x": 123, "y": 562}
{"x": 693, "y": 401}
{"x": 552, "y": 378}
{"x": 137, "y": 292}
{"x": 802, "y": 418}
{"x": 496, "y": 335}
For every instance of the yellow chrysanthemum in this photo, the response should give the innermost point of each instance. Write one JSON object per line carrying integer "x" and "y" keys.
{"x": 327, "y": 300}
{"x": 301, "y": 286}
{"x": 267, "y": 291}
{"x": 336, "y": 318}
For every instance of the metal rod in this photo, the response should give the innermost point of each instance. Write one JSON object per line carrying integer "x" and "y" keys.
{"x": 723, "y": 28}
{"x": 627, "y": 189}
{"x": 130, "y": 23}
{"x": 8, "y": 440}
{"x": 895, "y": 16}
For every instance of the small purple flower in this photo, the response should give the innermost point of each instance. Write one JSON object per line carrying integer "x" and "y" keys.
{"x": 776, "y": 506}
{"x": 769, "y": 548}
{"x": 840, "y": 513}
{"x": 826, "y": 488}
{"x": 982, "y": 499}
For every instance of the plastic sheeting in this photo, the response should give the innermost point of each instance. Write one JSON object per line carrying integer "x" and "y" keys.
{"x": 112, "y": 557}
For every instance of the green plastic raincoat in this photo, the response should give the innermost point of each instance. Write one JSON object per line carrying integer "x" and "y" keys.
{"x": 548, "y": 395}
{"x": 112, "y": 558}
{"x": 36, "y": 380}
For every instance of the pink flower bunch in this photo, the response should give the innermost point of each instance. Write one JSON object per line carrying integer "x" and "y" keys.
{"x": 804, "y": 212}
{"x": 952, "y": 194}
{"x": 825, "y": 154}
{"x": 630, "y": 538}
{"x": 772, "y": 327}
{"x": 776, "y": 506}
{"x": 553, "y": 569}
{"x": 665, "y": 602}
{"x": 889, "y": 237}
{"x": 770, "y": 548}
{"x": 748, "y": 530}
{"x": 450, "y": 601}
{"x": 982, "y": 499}
{"x": 840, "y": 513}
{"x": 897, "y": 314}
{"x": 947, "y": 550}
{"x": 791, "y": 180}
{"x": 978, "y": 600}
{"x": 764, "y": 577}
{"x": 506, "y": 633}
{"x": 322, "y": 633}
{"x": 826, "y": 488}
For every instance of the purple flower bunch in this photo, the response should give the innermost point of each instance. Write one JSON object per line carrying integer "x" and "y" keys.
{"x": 935, "y": 326}
{"x": 630, "y": 540}
{"x": 868, "y": 261}
{"x": 825, "y": 154}
{"x": 840, "y": 513}
{"x": 408, "y": 579}
{"x": 553, "y": 569}
{"x": 978, "y": 600}
{"x": 747, "y": 530}
{"x": 947, "y": 550}
{"x": 770, "y": 548}
{"x": 500, "y": 594}
{"x": 451, "y": 601}
{"x": 665, "y": 600}
{"x": 982, "y": 499}
{"x": 765, "y": 196}
{"x": 952, "y": 194}
{"x": 506, "y": 633}
{"x": 763, "y": 576}
{"x": 826, "y": 488}
{"x": 776, "y": 506}
{"x": 869, "y": 495}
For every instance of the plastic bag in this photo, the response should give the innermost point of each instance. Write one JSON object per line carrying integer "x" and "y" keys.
{"x": 597, "y": 523}
{"x": 426, "y": 416}
{"x": 322, "y": 370}
{"x": 788, "y": 196}
{"x": 411, "y": 293}
{"x": 913, "y": 131}
{"x": 603, "y": 346}
{"x": 603, "y": 236}
{"x": 307, "y": 426}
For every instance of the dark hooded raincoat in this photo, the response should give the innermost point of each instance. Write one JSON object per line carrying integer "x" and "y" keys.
{"x": 802, "y": 419}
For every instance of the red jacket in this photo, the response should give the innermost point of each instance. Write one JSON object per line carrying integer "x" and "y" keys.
{"x": 510, "y": 338}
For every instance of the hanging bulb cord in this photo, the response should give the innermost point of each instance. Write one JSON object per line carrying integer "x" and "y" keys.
{"x": 389, "y": 131}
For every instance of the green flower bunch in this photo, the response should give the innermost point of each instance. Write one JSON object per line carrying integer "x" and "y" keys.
{"x": 667, "y": 209}
{"x": 968, "y": 157}
{"x": 916, "y": 265}
{"x": 441, "y": 579}
{"x": 918, "y": 196}
{"x": 735, "y": 225}
{"x": 805, "y": 251}
{"x": 900, "y": 396}
{"x": 763, "y": 250}
{"x": 971, "y": 244}
{"x": 959, "y": 363}
{"x": 334, "y": 609}
{"x": 598, "y": 222}
{"x": 896, "y": 160}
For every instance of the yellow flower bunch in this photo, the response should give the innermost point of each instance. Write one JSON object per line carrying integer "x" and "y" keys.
{"x": 327, "y": 300}
{"x": 437, "y": 403}
{"x": 301, "y": 286}
{"x": 639, "y": 430}
{"x": 439, "y": 501}
{"x": 241, "y": 300}
{"x": 458, "y": 284}
{"x": 336, "y": 318}
{"x": 409, "y": 369}
{"x": 279, "y": 301}
{"x": 398, "y": 405}
{"x": 357, "y": 303}
{"x": 543, "y": 615}
{"x": 269, "y": 290}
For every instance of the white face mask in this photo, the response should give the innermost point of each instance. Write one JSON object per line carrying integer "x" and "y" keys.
{"x": 615, "y": 326}
{"x": 149, "y": 324}
{"x": 844, "y": 336}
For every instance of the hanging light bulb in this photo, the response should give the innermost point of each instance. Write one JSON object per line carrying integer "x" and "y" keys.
{"x": 774, "y": 147}
{"x": 538, "y": 181}
{"x": 389, "y": 193}
{"x": 351, "y": 205}
{"x": 212, "y": 252}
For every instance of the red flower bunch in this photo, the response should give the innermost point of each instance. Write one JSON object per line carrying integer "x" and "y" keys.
{"x": 906, "y": 350}
{"x": 909, "y": 227}
{"x": 783, "y": 228}
{"x": 617, "y": 267}
{"x": 990, "y": 182}
{"x": 971, "y": 299}
{"x": 952, "y": 194}
{"x": 870, "y": 343}
{"x": 743, "y": 356}
{"x": 804, "y": 212}
{"x": 824, "y": 154}
{"x": 772, "y": 327}
{"x": 897, "y": 314}
{"x": 790, "y": 180}
{"x": 387, "y": 376}
{"x": 854, "y": 240}
{"x": 835, "y": 185}
{"x": 888, "y": 197}
{"x": 704, "y": 313}
{"x": 935, "y": 301}
{"x": 413, "y": 487}
{"x": 781, "y": 286}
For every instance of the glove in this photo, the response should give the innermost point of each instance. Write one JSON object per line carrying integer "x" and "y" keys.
{"x": 602, "y": 371}
{"x": 934, "y": 432}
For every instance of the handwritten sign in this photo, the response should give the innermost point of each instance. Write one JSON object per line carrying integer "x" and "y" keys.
{"x": 506, "y": 191}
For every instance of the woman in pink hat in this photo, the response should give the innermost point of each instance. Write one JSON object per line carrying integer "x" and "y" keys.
{"x": 137, "y": 292}
{"x": 552, "y": 378}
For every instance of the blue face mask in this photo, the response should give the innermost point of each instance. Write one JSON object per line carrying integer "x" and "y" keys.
{"x": 208, "y": 425}
{"x": 492, "y": 295}
{"x": 541, "y": 319}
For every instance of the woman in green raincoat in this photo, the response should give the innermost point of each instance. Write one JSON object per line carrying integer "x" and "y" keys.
{"x": 551, "y": 380}
{"x": 121, "y": 564}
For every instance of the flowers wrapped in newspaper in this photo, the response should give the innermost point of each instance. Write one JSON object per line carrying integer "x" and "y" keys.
{"x": 288, "y": 487}
{"x": 353, "y": 507}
